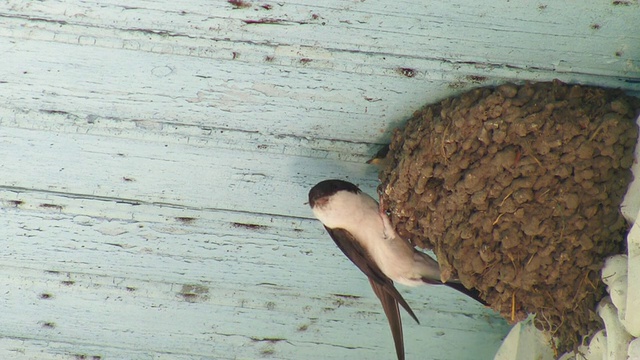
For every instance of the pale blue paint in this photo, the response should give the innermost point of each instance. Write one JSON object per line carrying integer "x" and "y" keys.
{"x": 125, "y": 116}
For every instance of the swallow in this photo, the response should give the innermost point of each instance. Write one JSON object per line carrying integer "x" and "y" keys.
{"x": 361, "y": 228}
{"x": 380, "y": 159}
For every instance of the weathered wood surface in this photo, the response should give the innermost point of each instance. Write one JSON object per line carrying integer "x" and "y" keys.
{"x": 155, "y": 159}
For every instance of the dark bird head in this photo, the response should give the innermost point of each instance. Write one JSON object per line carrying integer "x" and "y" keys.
{"x": 324, "y": 189}
{"x": 380, "y": 158}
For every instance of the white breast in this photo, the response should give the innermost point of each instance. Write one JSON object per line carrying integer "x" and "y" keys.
{"x": 359, "y": 215}
{"x": 347, "y": 210}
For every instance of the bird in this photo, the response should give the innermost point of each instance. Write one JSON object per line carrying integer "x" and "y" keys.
{"x": 361, "y": 228}
{"x": 380, "y": 159}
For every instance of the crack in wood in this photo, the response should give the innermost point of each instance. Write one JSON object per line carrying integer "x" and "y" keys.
{"x": 249, "y": 226}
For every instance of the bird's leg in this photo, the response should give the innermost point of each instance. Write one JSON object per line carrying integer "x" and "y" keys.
{"x": 381, "y": 203}
{"x": 382, "y": 208}
{"x": 389, "y": 232}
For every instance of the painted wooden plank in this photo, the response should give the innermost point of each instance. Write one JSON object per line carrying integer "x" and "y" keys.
{"x": 178, "y": 174}
{"x": 188, "y": 134}
{"x": 191, "y": 288}
{"x": 557, "y": 36}
{"x": 26, "y": 349}
{"x": 224, "y": 93}
{"x": 129, "y": 325}
{"x": 138, "y": 236}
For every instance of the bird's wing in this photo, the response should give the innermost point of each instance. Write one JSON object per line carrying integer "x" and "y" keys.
{"x": 391, "y": 309}
{"x": 359, "y": 256}
{"x": 382, "y": 286}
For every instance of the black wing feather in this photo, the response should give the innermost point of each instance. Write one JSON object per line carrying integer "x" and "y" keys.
{"x": 382, "y": 286}
{"x": 391, "y": 309}
{"x": 359, "y": 256}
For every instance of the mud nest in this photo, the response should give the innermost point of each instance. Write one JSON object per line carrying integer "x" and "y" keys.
{"x": 517, "y": 190}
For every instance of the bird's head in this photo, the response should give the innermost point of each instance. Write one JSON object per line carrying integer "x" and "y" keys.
{"x": 340, "y": 204}
{"x": 319, "y": 194}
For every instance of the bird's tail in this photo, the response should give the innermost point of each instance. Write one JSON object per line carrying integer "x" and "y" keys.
{"x": 472, "y": 293}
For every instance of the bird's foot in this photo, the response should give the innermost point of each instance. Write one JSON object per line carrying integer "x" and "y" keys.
{"x": 389, "y": 232}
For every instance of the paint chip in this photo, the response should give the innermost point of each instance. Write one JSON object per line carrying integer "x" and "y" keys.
{"x": 248, "y": 226}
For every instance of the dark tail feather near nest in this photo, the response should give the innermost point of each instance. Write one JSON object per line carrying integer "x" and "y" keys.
{"x": 472, "y": 293}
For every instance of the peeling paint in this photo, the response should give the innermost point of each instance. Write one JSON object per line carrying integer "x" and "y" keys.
{"x": 194, "y": 293}
{"x": 249, "y": 226}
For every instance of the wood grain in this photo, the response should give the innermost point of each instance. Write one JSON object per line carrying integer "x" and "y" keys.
{"x": 156, "y": 158}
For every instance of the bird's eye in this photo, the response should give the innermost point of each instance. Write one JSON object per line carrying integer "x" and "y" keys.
{"x": 388, "y": 212}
